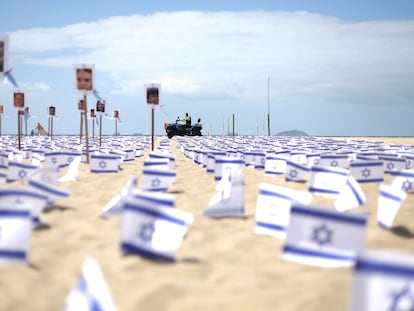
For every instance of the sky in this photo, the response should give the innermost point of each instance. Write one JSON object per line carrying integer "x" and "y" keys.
{"x": 328, "y": 68}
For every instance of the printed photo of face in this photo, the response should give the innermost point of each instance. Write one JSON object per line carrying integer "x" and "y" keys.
{"x": 116, "y": 114}
{"x": 1, "y": 109}
{"x": 100, "y": 107}
{"x": 81, "y": 105}
{"x": 152, "y": 96}
{"x": 93, "y": 113}
{"x": 52, "y": 111}
{"x": 84, "y": 81}
{"x": 18, "y": 100}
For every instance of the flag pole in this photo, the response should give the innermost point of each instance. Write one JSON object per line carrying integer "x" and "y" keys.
{"x": 268, "y": 106}
{"x": 18, "y": 128}
{"x": 152, "y": 128}
{"x": 86, "y": 128}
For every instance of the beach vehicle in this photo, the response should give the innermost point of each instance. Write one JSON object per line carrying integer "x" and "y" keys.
{"x": 176, "y": 128}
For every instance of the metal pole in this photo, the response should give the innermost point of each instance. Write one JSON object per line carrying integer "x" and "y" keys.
{"x": 268, "y": 106}
{"x": 18, "y": 128}
{"x": 100, "y": 130}
{"x": 233, "y": 124}
{"x": 152, "y": 128}
{"x": 86, "y": 128}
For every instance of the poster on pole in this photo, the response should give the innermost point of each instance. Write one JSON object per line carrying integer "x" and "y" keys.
{"x": 81, "y": 105}
{"x": 100, "y": 107}
{"x": 18, "y": 100}
{"x": 1, "y": 109}
{"x": 116, "y": 114}
{"x": 84, "y": 78}
{"x": 153, "y": 94}
{"x": 93, "y": 115}
{"x": 4, "y": 57}
{"x": 52, "y": 111}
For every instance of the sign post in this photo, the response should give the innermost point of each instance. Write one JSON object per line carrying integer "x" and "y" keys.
{"x": 153, "y": 95}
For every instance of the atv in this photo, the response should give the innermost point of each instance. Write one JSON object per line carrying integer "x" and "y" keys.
{"x": 176, "y": 128}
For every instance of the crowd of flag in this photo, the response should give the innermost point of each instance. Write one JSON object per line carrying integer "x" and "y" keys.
{"x": 154, "y": 227}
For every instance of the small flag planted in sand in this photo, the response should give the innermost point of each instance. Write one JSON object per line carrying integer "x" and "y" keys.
{"x": 153, "y": 231}
{"x": 104, "y": 163}
{"x": 227, "y": 166}
{"x": 228, "y": 200}
{"x": 114, "y": 206}
{"x": 46, "y": 174}
{"x": 389, "y": 202}
{"x": 73, "y": 171}
{"x": 20, "y": 171}
{"x": 403, "y": 180}
{"x": 327, "y": 181}
{"x": 323, "y": 237}
{"x": 367, "y": 171}
{"x": 273, "y": 208}
{"x": 383, "y": 280}
{"x": 334, "y": 160}
{"x": 275, "y": 165}
{"x": 295, "y": 171}
{"x": 350, "y": 196}
{"x": 92, "y": 292}
{"x": 392, "y": 163}
{"x": 157, "y": 163}
{"x": 157, "y": 180}
{"x": 15, "y": 229}
{"x": 53, "y": 193}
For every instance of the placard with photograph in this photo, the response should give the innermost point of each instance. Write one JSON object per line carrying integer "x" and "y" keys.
{"x": 52, "y": 111}
{"x": 153, "y": 94}
{"x": 100, "y": 107}
{"x": 116, "y": 114}
{"x": 1, "y": 109}
{"x": 18, "y": 100}
{"x": 4, "y": 47}
{"x": 84, "y": 78}
{"x": 81, "y": 105}
{"x": 93, "y": 115}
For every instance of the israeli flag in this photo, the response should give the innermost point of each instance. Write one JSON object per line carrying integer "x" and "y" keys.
{"x": 389, "y": 202}
{"x": 403, "y": 180}
{"x": 3, "y": 177}
{"x": 327, "y": 181}
{"x": 275, "y": 165}
{"x": 4, "y": 160}
{"x": 228, "y": 200}
{"x": 129, "y": 155}
{"x": 36, "y": 201}
{"x": 392, "y": 163}
{"x": 259, "y": 160}
{"x": 313, "y": 159}
{"x": 367, "y": 171}
{"x": 52, "y": 192}
{"x": 273, "y": 208}
{"x": 104, "y": 163}
{"x": 335, "y": 160}
{"x": 211, "y": 162}
{"x": 295, "y": 171}
{"x": 53, "y": 158}
{"x": 157, "y": 163}
{"x": 383, "y": 280}
{"x": 15, "y": 229}
{"x": 228, "y": 166}
{"x": 46, "y": 174}
{"x": 158, "y": 155}
{"x": 92, "y": 292}
{"x": 323, "y": 237}
{"x": 20, "y": 171}
{"x": 299, "y": 157}
{"x": 73, "y": 171}
{"x": 67, "y": 157}
{"x": 157, "y": 180}
{"x": 153, "y": 231}
{"x": 350, "y": 196}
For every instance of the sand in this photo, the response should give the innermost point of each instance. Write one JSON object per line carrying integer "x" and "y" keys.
{"x": 221, "y": 265}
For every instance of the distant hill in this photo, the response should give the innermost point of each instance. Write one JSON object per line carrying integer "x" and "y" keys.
{"x": 292, "y": 133}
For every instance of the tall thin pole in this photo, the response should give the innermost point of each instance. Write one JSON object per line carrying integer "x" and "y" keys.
{"x": 19, "y": 130}
{"x": 233, "y": 124}
{"x": 268, "y": 106}
{"x": 100, "y": 130}
{"x": 152, "y": 128}
{"x": 86, "y": 128}
{"x": 116, "y": 127}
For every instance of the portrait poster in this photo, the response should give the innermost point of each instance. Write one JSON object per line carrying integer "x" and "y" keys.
{"x": 52, "y": 111}
{"x": 18, "y": 100}
{"x": 153, "y": 94}
{"x": 93, "y": 115}
{"x": 84, "y": 78}
{"x": 116, "y": 114}
{"x": 100, "y": 107}
{"x": 4, "y": 49}
{"x": 1, "y": 109}
{"x": 81, "y": 105}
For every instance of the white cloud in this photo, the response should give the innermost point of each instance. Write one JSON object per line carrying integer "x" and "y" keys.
{"x": 201, "y": 55}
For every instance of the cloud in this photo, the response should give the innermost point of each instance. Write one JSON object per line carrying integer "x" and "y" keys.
{"x": 229, "y": 55}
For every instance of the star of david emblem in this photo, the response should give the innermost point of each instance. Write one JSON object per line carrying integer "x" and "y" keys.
{"x": 54, "y": 160}
{"x": 102, "y": 164}
{"x": 407, "y": 185}
{"x": 316, "y": 161}
{"x": 390, "y": 165}
{"x": 334, "y": 163}
{"x": 22, "y": 174}
{"x": 407, "y": 164}
{"x": 403, "y": 300}
{"x": 263, "y": 161}
{"x": 366, "y": 172}
{"x": 155, "y": 182}
{"x": 70, "y": 159}
{"x": 322, "y": 235}
{"x": 293, "y": 174}
{"x": 146, "y": 232}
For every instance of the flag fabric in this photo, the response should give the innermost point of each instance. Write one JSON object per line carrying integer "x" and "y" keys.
{"x": 275, "y": 165}
{"x": 295, "y": 171}
{"x": 15, "y": 229}
{"x": 211, "y": 162}
{"x": 8, "y": 78}
{"x": 403, "y": 180}
{"x": 20, "y": 171}
{"x": 92, "y": 292}
{"x": 4, "y": 160}
{"x": 228, "y": 200}
{"x": 153, "y": 231}
{"x": 389, "y": 202}
{"x": 53, "y": 158}
{"x": 52, "y": 192}
{"x": 313, "y": 159}
{"x": 157, "y": 180}
{"x": 327, "y": 180}
{"x": 46, "y": 174}
{"x": 34, "y": 200}
{"x": 383, "y": 280}
{"x": 273, "y": 208}
{"x": 114, "y": 206}
{"x": 73, "y": 171}
{"x": 157, "y": 163}
{"x": 104, "y": 163}
{"x": 350, "y": 196}
{"x": 392, "y": 163}
{"x": 323, "y": 237}
{"x": 229, "y": 166}
{"x": 367, "y": 171}
{"x": 334, "y": 160}
{"x": 157, "y": 155}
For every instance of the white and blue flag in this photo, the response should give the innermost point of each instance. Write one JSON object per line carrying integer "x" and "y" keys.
{"x": 389, "y": 203}
{"x": 403, "y": 180}
{"x": 323, "y": 237}
{"x": 20, "y": 171}
{"x": 367, "y": 171}
{"x": 227, "y": 166}
{"x": 104, "y": 163}
{"x": 327, "y": 180}
{"x": 157, "y": 180}
{"x": 383, "y": 281}
{"x": 153, "y": 231}
{"x": 275, "y": 165}
{"x": 295, "y": 171}
{"x": 350, "y": 196}
{"x": 392, "y": 163}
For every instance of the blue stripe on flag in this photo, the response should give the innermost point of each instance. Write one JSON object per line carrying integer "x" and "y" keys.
{"x": 274, "y": 194}
{"x": 330, "y": 215}
{"x": 311, "y": 253}
{"x": 156, "y": 200}
{"x": 270, "y": 226}
{"x": 313, "y": 189}
{"x": 370, "y": 180}
{"x": 154, "y": 213}
{"x": 356, "y": 194}
{"x": 327, "y": 170}
{"x": 366, "y": 164}
{"x": 12, "y": 254}
{"x": 379, "y": 267}
{"x": 14, "y": 213}
{"x": 159, "y": 173}
{"x": 44, "y": 187}
{"x": 390, "y": 196}
{"x": 130, "y": 248}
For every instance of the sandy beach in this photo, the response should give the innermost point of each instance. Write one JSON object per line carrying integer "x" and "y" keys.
{"x": 221, "y": 265}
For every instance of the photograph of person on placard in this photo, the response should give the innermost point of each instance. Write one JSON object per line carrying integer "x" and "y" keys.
{"x": 100, "y": 107}
{"x": 2, "y": 52}
{"x": 153, "y": 95}
{"x": 18, "y": 100}
{"x": 93, "y": 113}
{"x": 4, "y": 40}
{"x": 81, "y": 105}
{"x": 116, "y": 114}
{"x": 52, "y": 111}
{"x": 84, "y": 78}
{"x": 1, "y": 109}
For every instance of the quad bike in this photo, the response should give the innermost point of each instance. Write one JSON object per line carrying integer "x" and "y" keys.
{"x": 176, "y": 128}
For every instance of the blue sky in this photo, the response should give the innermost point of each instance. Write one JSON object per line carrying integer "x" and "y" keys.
{"x": 341, "y": 68}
